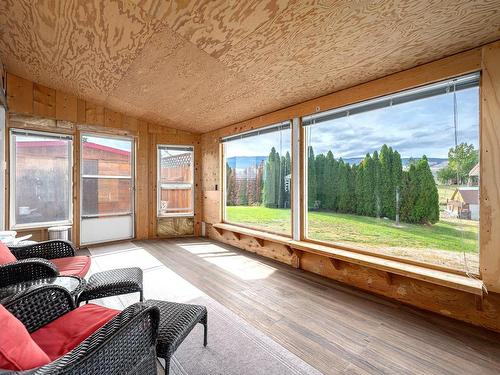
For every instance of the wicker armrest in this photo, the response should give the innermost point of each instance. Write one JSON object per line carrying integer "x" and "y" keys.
{"x": 47, "y": 250}
{"x": 40, "y": 305}
{"x": 124, "y": 345}
{"x": 25, "y": 270}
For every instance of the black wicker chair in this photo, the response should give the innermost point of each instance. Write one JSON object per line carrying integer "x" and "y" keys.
{"x": 26, "y": 270}
{"x": 46, "y": 250}
{"x": 124, "y": 345}
{"x": 33, "y": 261}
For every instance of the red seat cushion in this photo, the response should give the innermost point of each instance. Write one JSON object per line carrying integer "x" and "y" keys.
{"x": 72, "y": 266}
{"x": 18, "y": 351}
{"x": 5, "y": 255}
{"x": 67, "y": 332}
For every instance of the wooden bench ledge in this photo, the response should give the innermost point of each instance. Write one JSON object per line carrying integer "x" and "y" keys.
{"x": 258, "y": 235}
{"x": 392, "y": 267}
{"x": 447, "y": 279}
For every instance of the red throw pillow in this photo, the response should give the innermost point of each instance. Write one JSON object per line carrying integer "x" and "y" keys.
{"x": 67, "y": 332}
{"x": 5, "y": 255}
{"x": 18, "y": 351}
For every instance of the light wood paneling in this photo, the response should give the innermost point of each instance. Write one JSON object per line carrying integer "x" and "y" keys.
{"x": 112, "y": 119}
{"x": 94, "y": 114}
{"x": 70, "y": 115}
{"x": 198, "y": 65}
{"x": 211, "y": 207}
{"x": 445, "y": 301}
{"x": 490, "y": 168}
{"x": 19, "y": 94}
{"x": 44, "y": 101}
{"x": 81, "y": 111}
{"x": 66, "y": 107}
{"x": 142, "y": 188}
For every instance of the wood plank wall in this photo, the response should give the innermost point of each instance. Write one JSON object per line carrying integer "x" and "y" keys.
{"x": 33, "y": 106}
{"x": 424, "y": 295}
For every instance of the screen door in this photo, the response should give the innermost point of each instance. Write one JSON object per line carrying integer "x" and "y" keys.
{"x": 106, "y": 189}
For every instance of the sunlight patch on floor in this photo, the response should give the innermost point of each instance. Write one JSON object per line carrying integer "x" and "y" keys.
{"x": 160, "y": 282}
{"x": 238, "y": 265}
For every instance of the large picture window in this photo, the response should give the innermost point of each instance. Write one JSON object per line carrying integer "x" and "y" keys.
{"x": 175, "y": 180}
{"x": 399, "y": 175}
{"x": 258, "y": 179}
{"x": 41, "y": 179}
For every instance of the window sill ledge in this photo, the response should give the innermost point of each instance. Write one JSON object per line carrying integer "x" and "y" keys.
{"x": 297, "y": 248}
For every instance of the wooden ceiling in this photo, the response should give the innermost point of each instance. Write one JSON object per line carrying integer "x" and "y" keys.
{"x": 202, "y": 65}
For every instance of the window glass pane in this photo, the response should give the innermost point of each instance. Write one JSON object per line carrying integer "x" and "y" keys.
{"x": 106, "y": 156}
{"x": 175, "y": 189}
{"x": 101, "y": 196}
{"x": 258, "y": 181}
{"x": 402, "y": 180}
{"x": 106, "y": 175}
{"x": 42, "y": 178}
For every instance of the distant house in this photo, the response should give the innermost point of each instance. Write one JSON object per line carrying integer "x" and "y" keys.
{"x": 464, "y": 203}
{"x": 474, "y": 176}
{"x": 288, "y": 180}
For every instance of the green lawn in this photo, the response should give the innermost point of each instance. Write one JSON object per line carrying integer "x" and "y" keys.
{"x": 448, "y": 234}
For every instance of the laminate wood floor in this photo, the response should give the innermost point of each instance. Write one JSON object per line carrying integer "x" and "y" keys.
{"x": 334, "y": 327}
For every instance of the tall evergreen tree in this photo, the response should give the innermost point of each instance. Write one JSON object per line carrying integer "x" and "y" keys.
{"x": 329, "y": 182}
{"x": 259, "y": 183}
{"x": 311, "y": 178}
{"x": 409, "y": 194}
{"x": 396, "y": 175}
{"x": 270, "y": 177}
{"x": 352, "y": 174}
{"x": 343, "y": 192}
{"x": 250, "y": 182}
{"x": 282, "y": 192}
{"x": 377, "y": 196}
{"x": 369, "y": 200}
{"x": 320, "y": 164}
{"x": 231, "y": 193}
{"x": 386, "y": 182}
{"x": 242, "y": 192}
{"x": 277, "y": 180}
{"x": 426, "y": 209}
{"x": 359, "y": 189}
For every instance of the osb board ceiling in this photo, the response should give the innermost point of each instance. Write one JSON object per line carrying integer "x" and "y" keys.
{"x": 202, "y": 65}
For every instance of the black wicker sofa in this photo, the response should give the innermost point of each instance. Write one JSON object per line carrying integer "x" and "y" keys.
{"x": 123, "y": 345}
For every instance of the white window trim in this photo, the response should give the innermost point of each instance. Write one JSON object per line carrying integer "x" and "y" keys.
{"x": 12, "y": 181}
{"x": 131, "y": 177}
{"x": 158, "y": 184}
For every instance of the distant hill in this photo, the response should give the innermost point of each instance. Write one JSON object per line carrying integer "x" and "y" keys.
{"x": 244, "y": 162}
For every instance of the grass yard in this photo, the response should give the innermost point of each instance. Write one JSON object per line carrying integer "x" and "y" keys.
{"x": 444, "y": 242}
{"x": 447, "y": 234}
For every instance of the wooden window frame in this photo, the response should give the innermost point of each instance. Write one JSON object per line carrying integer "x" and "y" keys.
{"x": 292, "y": 202}
{"x": 158, "y": 183}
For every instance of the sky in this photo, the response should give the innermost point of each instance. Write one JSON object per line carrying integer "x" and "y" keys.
{"x": 422, "y": 127}
{"x": 120, "y": 144}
